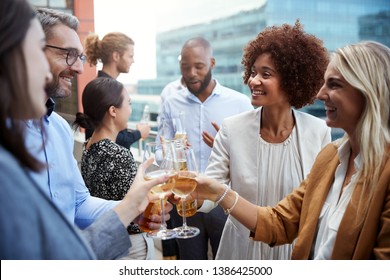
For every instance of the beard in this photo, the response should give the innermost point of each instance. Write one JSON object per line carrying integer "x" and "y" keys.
{"x": 54, "y": 89}
{"x": 123, "y": 68}
{"x": 203, "y": 84}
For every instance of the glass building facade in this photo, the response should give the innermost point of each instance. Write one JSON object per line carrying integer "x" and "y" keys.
{"x": 336, "y": 22}
{"x": 228, "y": 36}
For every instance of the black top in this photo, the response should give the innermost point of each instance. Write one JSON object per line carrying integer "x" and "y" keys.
{"x": 108, "y": 169}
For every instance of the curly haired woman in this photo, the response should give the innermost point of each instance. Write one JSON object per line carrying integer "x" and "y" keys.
{"x": 284, "y": 69}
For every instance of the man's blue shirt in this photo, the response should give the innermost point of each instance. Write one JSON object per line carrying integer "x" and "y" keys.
{"x": 62, "y": 180}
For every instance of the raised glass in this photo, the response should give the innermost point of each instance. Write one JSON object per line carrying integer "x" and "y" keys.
{"x": 185, "y": 184}
{"x": 164, "y": 164}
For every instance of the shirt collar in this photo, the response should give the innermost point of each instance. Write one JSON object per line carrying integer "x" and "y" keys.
{"x": 344, "y": 151}
{"x": 50, "y": 104}
{"x": 103, "y": 74}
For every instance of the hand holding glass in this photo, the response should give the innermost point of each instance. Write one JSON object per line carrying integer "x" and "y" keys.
{"x": 163, "y": 165}
{"x": 185, "y": 184}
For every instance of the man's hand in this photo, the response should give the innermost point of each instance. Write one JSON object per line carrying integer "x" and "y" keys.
{"x": 207, "y": 137}
{"x": 155, "y": 219}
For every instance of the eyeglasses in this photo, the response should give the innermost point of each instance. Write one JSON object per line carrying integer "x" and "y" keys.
{"x": 71, "y": 55}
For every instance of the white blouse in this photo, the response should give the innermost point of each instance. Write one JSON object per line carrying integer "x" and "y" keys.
{"x": 334, "y": 207}
{"x": 281, "y": 165}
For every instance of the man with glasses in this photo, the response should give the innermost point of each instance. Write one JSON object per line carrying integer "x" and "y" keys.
{"x": 71, "y": 55}
{"x": 61, "y": 180}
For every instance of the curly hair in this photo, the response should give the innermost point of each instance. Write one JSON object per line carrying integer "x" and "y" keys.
{"x": 96, "y": 49}
{"x": 300, "y": 59}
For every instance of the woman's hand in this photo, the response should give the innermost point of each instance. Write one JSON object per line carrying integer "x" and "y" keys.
{"x": 208, "y": 189}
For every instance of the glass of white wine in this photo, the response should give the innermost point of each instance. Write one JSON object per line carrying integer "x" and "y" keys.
{"x": 179, "y": 127}
{"x": 185, "y": 184}
{"x": 164, "y": 164}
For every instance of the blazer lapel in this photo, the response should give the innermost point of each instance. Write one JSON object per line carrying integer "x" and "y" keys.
{"x": 305, "y": 148}
{"x": 350, "y": 227}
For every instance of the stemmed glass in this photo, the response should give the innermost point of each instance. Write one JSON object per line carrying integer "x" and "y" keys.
{"x": 178, "y": 125}
{"x": 185, "y": 185}
{"x": 164, "y": 164}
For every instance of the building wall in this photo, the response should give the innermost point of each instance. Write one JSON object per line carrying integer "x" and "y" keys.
{"x": 84, "y": 11}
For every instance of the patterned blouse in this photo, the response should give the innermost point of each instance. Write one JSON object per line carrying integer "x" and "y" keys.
{"x": 108, "y": 169}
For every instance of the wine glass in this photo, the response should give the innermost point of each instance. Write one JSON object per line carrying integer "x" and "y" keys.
{"x": 185, "y": 184}
{"x": 165, "y": 134}
{"x": 178, "y": 125}
{"x": 164, "y": 164}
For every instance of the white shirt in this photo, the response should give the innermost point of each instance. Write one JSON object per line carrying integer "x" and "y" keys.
{"x": 334, "y": 207}
{"x": 173, "y": 87}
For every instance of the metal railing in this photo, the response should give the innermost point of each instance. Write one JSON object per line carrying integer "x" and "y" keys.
{"x": 139, "y": 146}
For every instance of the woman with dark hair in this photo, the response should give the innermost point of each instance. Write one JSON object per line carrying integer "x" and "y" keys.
{"x": 31, "y": 226}
{"x": 108, "y": 169}
{"x": 284, "y": 68}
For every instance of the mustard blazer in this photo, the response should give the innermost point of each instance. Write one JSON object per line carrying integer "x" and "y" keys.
{"x": 296, "y": 216}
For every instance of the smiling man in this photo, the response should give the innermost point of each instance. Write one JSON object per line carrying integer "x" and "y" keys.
{"x": 63, "y": 50}
{"x": 203, "y": 101}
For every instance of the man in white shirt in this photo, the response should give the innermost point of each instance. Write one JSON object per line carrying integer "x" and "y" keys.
{"x": 203, "y": 101}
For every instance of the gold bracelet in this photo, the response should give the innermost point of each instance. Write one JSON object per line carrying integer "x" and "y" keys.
{"x": 229, "y": 210}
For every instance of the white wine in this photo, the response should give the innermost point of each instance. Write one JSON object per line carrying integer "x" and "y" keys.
{"x": 190, "y": 207}
{"x": 180, "y": 135}
{"x": 185, "y": 183}
{"x": 164, "y": 188}
{"x": 153, "y": 208}
{"x": 182, "y": 165}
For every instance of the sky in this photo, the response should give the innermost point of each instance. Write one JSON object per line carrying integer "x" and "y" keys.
{"x": 142, "y": 19}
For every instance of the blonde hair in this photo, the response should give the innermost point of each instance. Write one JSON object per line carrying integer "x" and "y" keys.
{"x": 96, "y": 49}
{"x": 366, "y": 67}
